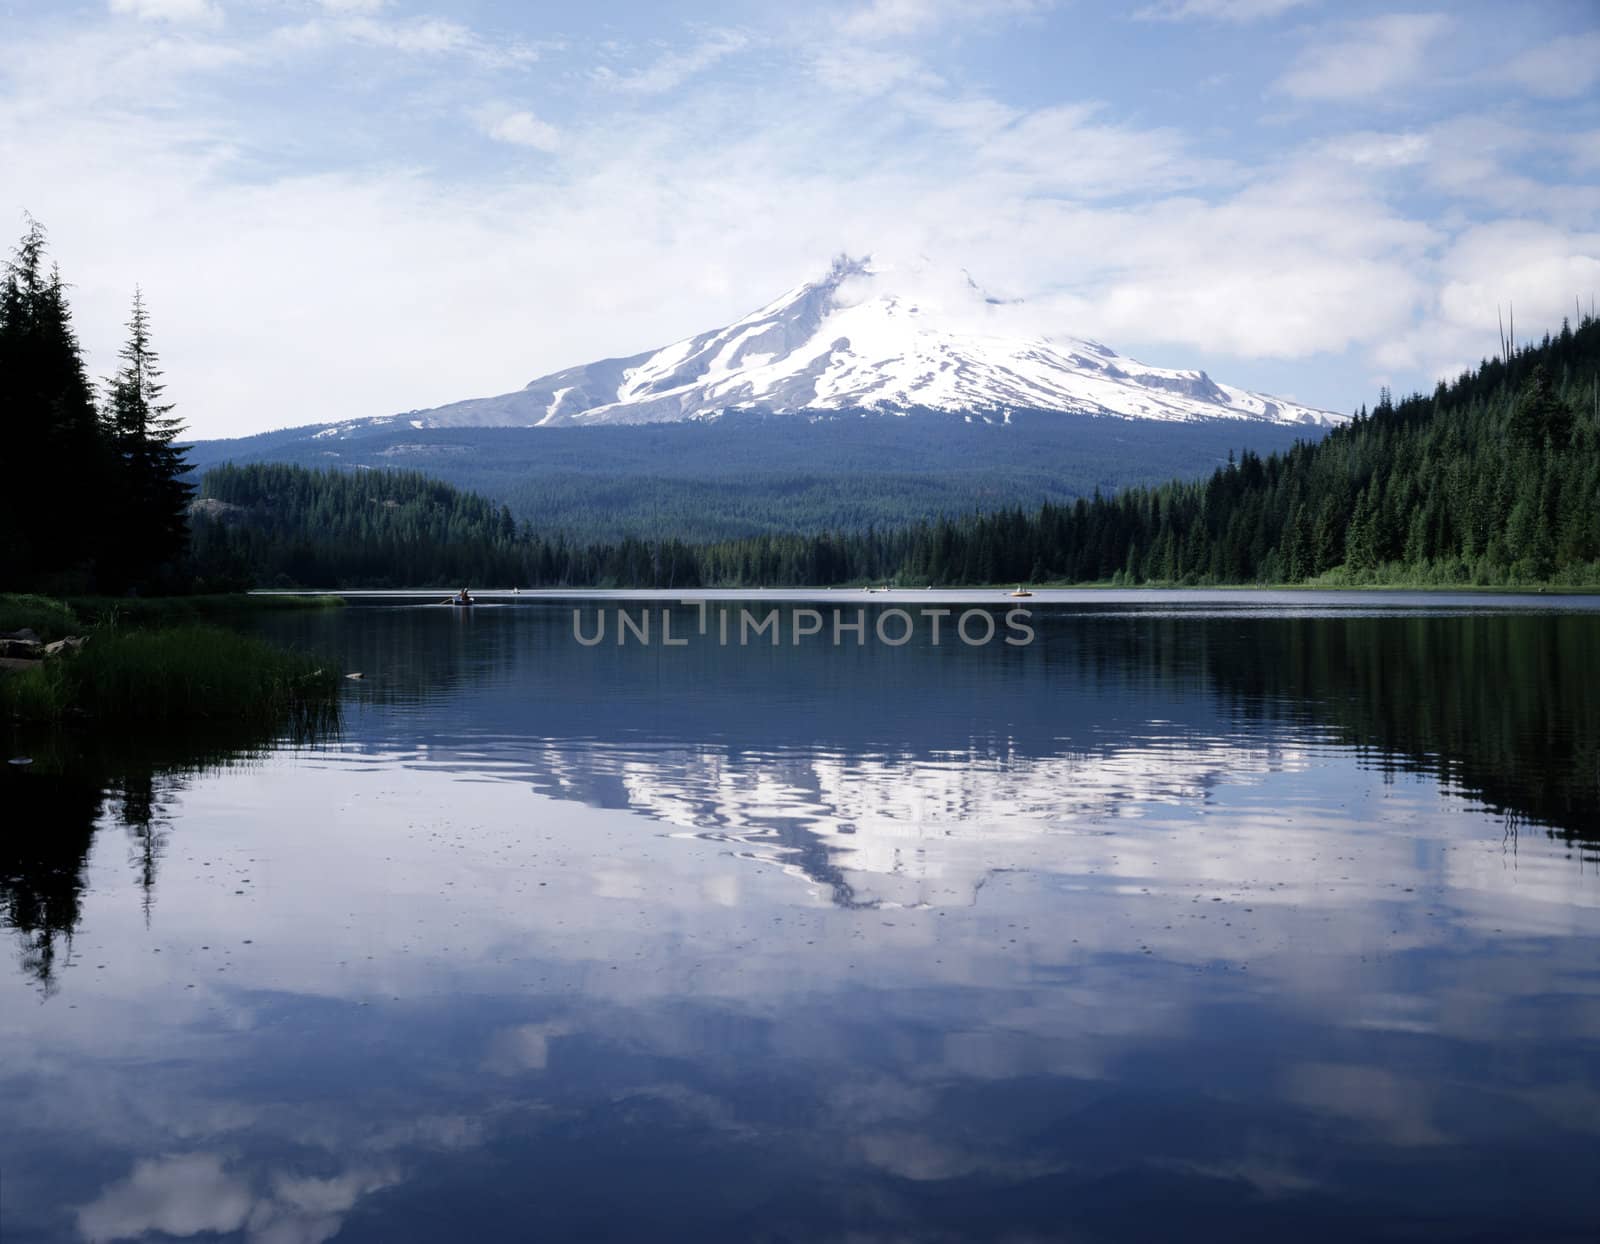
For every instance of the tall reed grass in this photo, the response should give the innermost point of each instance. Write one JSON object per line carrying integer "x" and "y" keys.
{"x": 185, "y": 672}
{"x": 43, "y": 615}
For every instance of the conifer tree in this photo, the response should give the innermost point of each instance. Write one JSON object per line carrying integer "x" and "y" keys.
{"x": 52, "y": 484}
{"x": 1539, "y": 414}
{"x": 142, "y": 428}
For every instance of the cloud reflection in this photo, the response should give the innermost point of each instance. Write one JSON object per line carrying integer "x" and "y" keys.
{"x": 194, "y": 1194}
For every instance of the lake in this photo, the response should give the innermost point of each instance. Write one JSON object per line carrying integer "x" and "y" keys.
{"x": 1235, "y": 916}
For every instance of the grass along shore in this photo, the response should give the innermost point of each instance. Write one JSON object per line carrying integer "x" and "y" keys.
{"x": 54, "y": 618}
{"x": 157, "y": 661}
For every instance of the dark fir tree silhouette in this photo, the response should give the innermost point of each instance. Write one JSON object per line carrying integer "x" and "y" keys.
{"x": 152, "y": 497}
{"x": 42, "y": 866}
{"x": 90, "y": 498}
{"x": 52, "y": 486}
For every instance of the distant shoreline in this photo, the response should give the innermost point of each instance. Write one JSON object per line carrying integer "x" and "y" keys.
{"x": 426, "y": 595}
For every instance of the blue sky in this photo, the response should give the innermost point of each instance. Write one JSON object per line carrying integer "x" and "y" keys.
{"x": 341, "y": 208}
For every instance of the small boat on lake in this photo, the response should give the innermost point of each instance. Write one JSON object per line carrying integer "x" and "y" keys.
{"x": 1021, "y": 591}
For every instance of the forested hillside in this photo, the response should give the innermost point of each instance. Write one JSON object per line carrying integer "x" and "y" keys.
{"x": 283, "y": 524}
{"x": 1494, "y": 479}
{"x": 1491, "y": 480}
{"x": 749, "y": 474}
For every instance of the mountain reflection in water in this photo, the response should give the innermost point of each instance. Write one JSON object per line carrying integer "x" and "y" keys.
{"x": 819, "y": 755}
{"x": 1200, "y": 923}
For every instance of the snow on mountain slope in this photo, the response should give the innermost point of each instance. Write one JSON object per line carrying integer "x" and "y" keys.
{"x": 850, "y": 340}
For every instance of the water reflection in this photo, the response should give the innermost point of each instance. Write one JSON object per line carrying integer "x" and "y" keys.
{"x": 1196, "y": 927}
{"x": 869, "y": 759}
{"x": 67, "y": 783}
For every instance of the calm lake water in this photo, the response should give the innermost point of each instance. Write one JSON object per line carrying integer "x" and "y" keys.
{"x": 1233, "y": 917}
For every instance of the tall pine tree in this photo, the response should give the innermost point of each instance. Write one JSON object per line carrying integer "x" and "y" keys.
{"x": 52, "y": 486}
{"x": 141, "y": 428}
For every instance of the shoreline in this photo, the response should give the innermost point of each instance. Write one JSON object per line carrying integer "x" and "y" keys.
{"x": 148, "y": 659}
{"x": 1040, "y": 591}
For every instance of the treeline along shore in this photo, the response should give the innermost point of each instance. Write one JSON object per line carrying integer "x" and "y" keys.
{"x": 99, "y": 617}
{"x": 1492, "y": 480}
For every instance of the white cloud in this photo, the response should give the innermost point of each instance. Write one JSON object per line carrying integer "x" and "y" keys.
{"x": 55, "y": 82}
{"x": 710, "y": 200}
{"x": 1301, "y": 264}
{"x": 421, "y": 36}
{"x": 888, "y": 19}
{"x": 429, "y": 35}
{"x": 1217, "y": 10}
{"x": 521, "y": 129}
{"x": 866, "y": 71}
{"x": 1535, "y": 267}
{"x": 673, "y": 69}
{"x": 655, "y": 234}
{"x": 1485, "y": 161}
{"x": 169, "y": 10}
{"x": 1564, "y": 68}
{"x": 1377, "y": 150}
{"x": 1068, "y": 150}
{"x": 975, "y": 117}
{"x": 1370, "y": 57}
{"x": 1583, "y": 151}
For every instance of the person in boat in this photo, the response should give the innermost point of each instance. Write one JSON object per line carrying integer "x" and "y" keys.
{"x": 463, "y": 597}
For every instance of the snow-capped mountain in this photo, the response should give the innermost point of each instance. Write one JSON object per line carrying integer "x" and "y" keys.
{"x": 857, "y": 339}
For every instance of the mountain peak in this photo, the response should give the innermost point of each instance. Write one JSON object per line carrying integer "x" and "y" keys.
{"x": 845, "y": 265}
{"x": 869, "y": 336}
